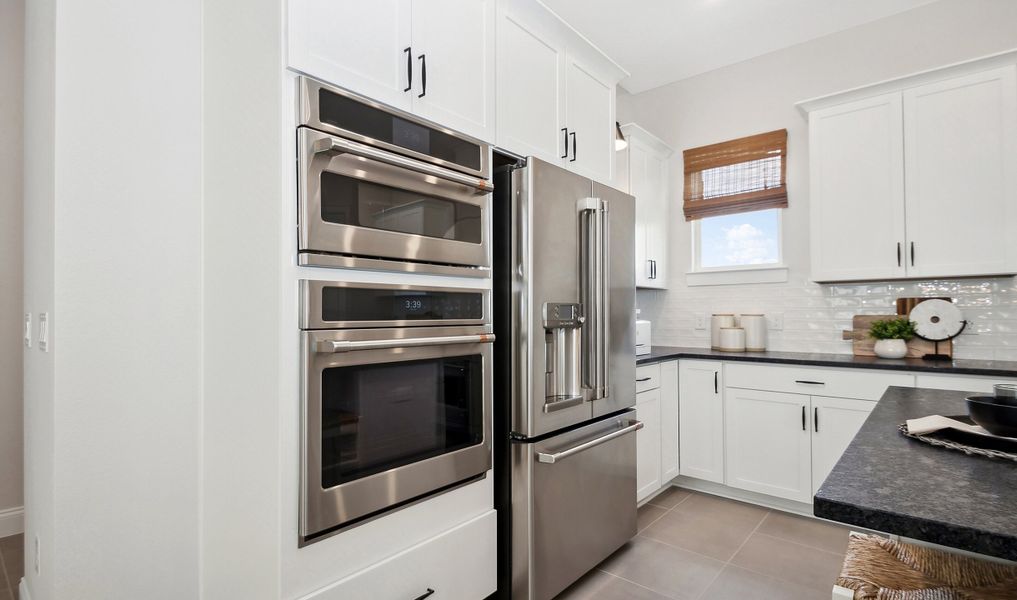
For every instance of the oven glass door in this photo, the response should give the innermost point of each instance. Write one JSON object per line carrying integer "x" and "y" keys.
{"x": 356, "y": 204}
{"x": 385, "y": 426}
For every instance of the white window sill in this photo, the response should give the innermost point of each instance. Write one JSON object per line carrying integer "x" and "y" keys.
{"x": 764, "y": 274}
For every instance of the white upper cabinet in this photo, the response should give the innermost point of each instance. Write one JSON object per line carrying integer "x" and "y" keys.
{"x": 961, "y": 175}
{"x": 556, "y": 92}
{"x": 361, "y": 46}
{"x": 642, "y": 168}
{"x": 434, "y": 58}
{"x": 856, "y": 158}
{"x": 454, "y": 48}
{"x": 917, "y": 177}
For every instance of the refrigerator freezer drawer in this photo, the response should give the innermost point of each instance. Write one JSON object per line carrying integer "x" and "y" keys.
{"x": 573, "y": 502}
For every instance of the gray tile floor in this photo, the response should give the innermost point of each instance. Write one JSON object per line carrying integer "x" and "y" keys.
{"x": 12, "y": 565}
{"x": 694, "y": 546}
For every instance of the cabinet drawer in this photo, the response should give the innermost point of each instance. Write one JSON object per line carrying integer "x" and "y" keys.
{"x": 863, "y": 384}
{"x": 960, "y": 383}
{"x": 647, "y": 377}
{"x": 460, "y": 563}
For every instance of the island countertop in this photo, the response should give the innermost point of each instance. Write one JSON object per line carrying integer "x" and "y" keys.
{"x": 890, "y": 483}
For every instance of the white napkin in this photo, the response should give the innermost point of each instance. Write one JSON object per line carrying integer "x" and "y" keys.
{"x": 936, "y": 422}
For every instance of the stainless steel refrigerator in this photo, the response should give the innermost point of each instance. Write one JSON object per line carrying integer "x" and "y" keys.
{"x": 565, "y": 446}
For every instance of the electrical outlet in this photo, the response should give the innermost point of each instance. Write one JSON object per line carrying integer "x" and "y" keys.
{"x": 702, "y": 321}
{"x": 38, "y": 556}
{"x": 775, "y": 321}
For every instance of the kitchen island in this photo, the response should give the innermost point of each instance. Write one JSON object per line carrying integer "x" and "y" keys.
{"x": 889, "y": 483}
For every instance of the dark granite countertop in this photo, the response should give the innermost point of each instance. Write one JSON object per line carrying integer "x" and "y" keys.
{"x": 887, "y": 482}
{"x": 992, "y": 368}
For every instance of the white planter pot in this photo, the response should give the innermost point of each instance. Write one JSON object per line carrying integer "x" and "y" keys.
{"x": 891, "y": 348}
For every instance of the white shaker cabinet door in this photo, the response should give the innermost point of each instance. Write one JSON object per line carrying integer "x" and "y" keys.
{"x": 530, "y": 82}
{"x": 856, "y": 183}
{"x": 360, "y": 46}
{"x": 648, "y": 444}
{"x": 961, "y": 175}
{"x": 668, "y": 421}
{"x": 701, "y": 420}
{"x": 835, "y": 421}
{"x": 453, "y": 41}
{"x": 589, "y": 118}
{"x": 768, "y": 445}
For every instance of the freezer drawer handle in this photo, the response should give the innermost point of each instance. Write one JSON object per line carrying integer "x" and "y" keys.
{"x": 333, "y": 346}
{"x": 555, "y": 457}
{"x": 341, "y": 146}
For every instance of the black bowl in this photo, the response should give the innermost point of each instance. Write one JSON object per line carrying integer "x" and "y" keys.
{"x": 995, "y": 416}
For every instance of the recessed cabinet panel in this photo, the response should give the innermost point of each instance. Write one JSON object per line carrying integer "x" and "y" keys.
{"x": 668, "y": 421}
{"x": 589, "y": 117}
{"x": 835, "y": 421}
{"x": 961, "y": 175}
{"x": 701, "y": 420}
{"x": 856, "y": 178}
{"x": 648, "y": 444}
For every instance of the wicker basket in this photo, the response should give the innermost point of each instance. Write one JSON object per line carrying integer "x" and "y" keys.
{"x": 879, "y": 568}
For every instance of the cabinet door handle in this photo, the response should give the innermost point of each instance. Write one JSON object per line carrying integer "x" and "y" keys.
{"x": 409, "y": 68}
{"x": 573, "y": 134}
{"x": 423, "y": 75}
{"x": 803, "y": 418}
{"x": 912, "y": 254}
{"x": 425, "y": 594}
{"x": 716, "y": 389}
{"x": 898, "y": 254}
{"x": 815, "y": 418}
{"x": 565, "y": 131}
{"x": 654, "y": 269}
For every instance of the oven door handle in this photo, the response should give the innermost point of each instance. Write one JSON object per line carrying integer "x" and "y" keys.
{"x": 341, "y": 146}
{"x": 551, "y": 458}
{"x": 335, "y": 346}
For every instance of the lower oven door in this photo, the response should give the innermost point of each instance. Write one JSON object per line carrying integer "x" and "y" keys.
{"x": 357, "y": 200}
{"x": 573, "y": 504}
{"x": 390, "y": 416}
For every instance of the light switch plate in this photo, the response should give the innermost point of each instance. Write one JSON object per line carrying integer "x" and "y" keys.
{"x": 28, "y": 330}
{"x": 44, "y": 332}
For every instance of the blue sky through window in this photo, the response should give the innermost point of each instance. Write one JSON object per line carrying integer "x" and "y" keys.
{"x": 743, "y": 239}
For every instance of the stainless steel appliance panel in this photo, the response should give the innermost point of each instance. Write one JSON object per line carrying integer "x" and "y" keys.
{"x": 573, "y": 504}
{"x": 621, "y": 290}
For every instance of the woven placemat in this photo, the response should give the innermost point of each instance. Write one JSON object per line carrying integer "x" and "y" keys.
{"x": 935, "y": 440}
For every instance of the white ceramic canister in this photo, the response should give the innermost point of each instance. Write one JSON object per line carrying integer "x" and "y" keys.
{"x": 732, "y": 339}
{"x": 755, "y": 332}
{"x": 718, "y": 321}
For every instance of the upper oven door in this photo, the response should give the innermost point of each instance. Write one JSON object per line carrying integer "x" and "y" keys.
{"x": 358, "y": 200}
{"x": 391, "y": 415}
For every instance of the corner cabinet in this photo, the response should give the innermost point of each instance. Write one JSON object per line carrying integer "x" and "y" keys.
{"x": 556, "y": 92}
{"x": 434, "y": 58}
{"x": 916, "y": 178}
{"x": 642, "y": 171}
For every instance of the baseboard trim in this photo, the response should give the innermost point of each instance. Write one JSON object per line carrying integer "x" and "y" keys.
{"x": 23, "y": 590}
{"x": 717, "y": 489}
{"x": 12, "y": 521}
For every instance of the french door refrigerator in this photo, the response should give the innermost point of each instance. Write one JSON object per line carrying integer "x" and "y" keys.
{"x": 565, "y": 446}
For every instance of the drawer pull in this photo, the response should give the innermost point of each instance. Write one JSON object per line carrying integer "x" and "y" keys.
{"x": 808, "y": 382}
{"x": 425, "y": 594}
{"x": 642, "y": 379}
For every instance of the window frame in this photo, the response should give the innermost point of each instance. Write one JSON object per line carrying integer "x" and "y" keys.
{"x": 752, "y": 273}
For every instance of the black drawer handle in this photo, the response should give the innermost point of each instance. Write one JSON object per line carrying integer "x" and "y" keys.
{"x": 642, "y": 379}
{"x": 807, "y": 382}
{"x": 425, "y": 594}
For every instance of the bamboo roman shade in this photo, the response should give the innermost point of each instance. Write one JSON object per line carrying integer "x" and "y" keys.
{"x": 736, "y": 176}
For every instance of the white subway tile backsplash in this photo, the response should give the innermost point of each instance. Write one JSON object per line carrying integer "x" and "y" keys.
{"x": 815, "y": 315}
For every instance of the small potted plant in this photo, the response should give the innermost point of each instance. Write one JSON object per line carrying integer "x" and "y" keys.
{"x": 892, "y": 337}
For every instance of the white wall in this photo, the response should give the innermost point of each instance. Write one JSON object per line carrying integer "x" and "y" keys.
{"x": 758, "y": 95}
{"x": 12, "y": 22}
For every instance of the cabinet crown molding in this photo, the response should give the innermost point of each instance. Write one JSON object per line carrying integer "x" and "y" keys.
{"x": 634, "y": 131}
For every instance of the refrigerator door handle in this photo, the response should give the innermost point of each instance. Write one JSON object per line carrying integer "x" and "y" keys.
{"x": 553, "y": 457}
{"x": 593, "y": 294}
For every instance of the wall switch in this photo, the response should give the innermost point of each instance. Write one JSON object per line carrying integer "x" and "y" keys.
{"x": 702, "y": 321}
{"x": 775, "y": 321}
{"x": 44, "y": 332}
{"x": 28, "y": 330}
{"x": 38, "y": 556}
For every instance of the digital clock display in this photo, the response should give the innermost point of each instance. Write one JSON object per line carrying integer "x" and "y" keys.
{"x": 414, "y": 305}
{"x": 343, "y": 304}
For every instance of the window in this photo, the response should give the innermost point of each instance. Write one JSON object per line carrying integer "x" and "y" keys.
{"x": 734, "y": 193}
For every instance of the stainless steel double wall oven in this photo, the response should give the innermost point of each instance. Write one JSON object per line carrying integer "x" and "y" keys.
{"x": 397, "y": 388}
{"x": 379, "y": 188}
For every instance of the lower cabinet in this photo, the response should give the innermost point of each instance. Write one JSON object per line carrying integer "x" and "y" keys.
{"x": 835, "y": 421}
{"x": 668, "y": 421}
{"x": 701, "y": 420}
{"x": 648, "y": 443}
{"x": 768, "y": 446}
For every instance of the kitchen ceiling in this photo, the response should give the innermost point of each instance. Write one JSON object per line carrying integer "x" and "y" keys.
{"x": 660, "y": 41}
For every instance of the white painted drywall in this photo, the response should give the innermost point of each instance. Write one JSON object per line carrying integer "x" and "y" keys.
{"x": 758, "y": 95}
{"x": 12, "y": 23}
